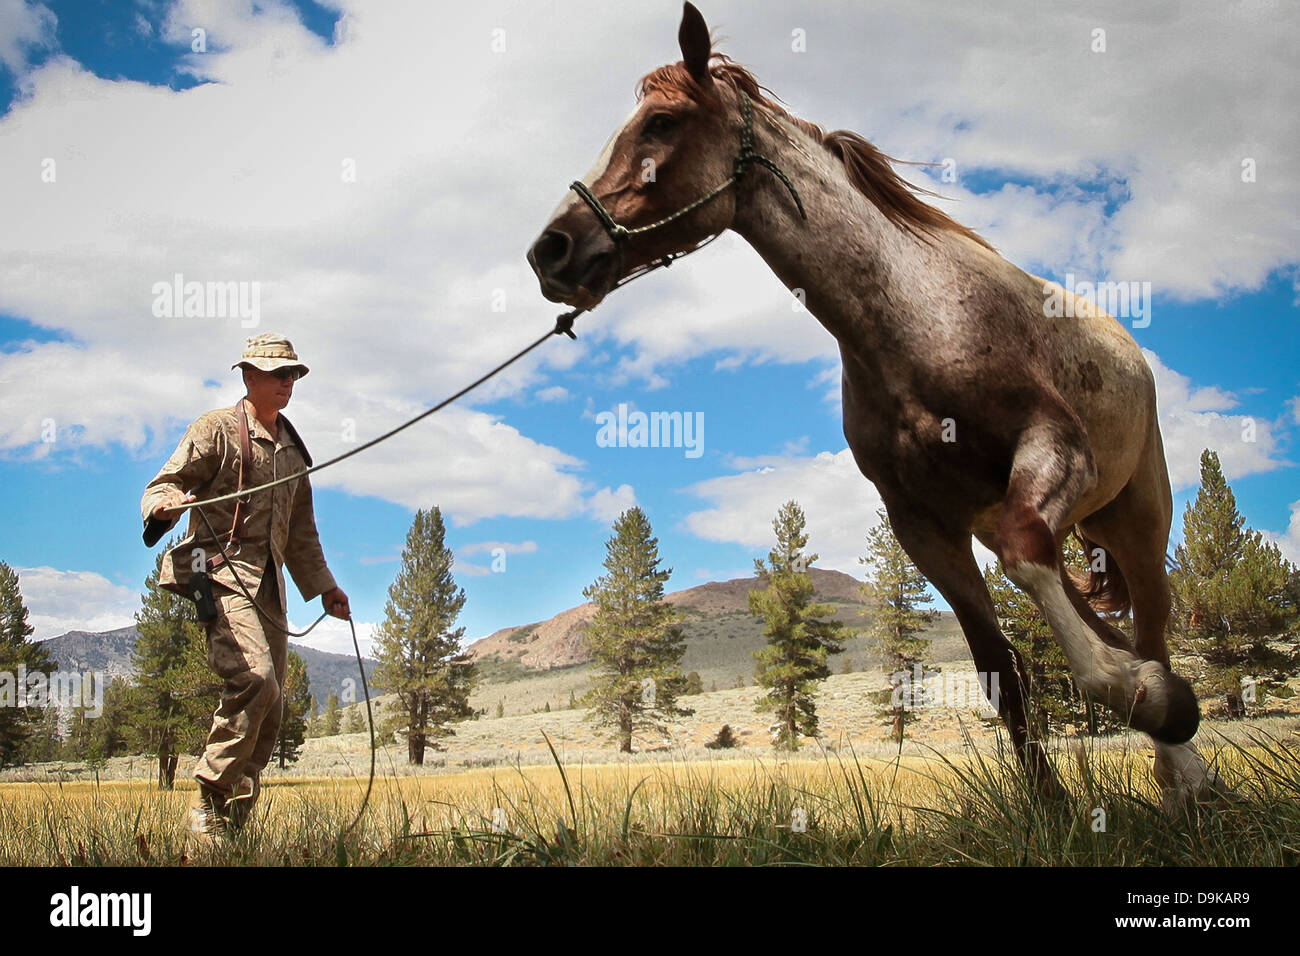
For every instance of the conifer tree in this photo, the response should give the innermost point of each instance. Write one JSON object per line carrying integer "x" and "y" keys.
{"x": 46, "y": 740}
{"x": 332, "y": 719}
{"x": 20, "y": 716}
{"x": 417, "y": 644}
{"x": 108, "y": 733}
{"x": 297, "y": 702}
{"x": 171, "y": 706}
{"x": 894, "y": 594}
{"x": 635, "y": 638}
{"x": 354, "y": 722}
{"x": 800, "y": 638}
{"x": 1232, "y": 596}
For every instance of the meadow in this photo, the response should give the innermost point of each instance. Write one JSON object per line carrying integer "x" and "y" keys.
{"x": 828, "y": 808}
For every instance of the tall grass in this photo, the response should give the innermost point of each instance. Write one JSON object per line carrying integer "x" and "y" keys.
{"x": 832, "y": 809}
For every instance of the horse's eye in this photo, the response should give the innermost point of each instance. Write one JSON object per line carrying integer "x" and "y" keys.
{"x": 659, "y": 124}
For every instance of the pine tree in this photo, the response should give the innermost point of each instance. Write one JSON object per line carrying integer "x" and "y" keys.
{"x": 799, "y": 638}
{"x": 895, "y": 593}
{"x": 354, "y": 722}
{"x": 297, "y": 702}
{"x": 635, "y": 638}
{"x": 46, "y": 741}
{"x": 108, "y": 734}
{"x": 76, "y": 742}
{"x": 418, "y": 647}
{"x": 171, "y": 706}
{"x": 332, "y": 719}
{"x": 725, "y": 739}
{"x": 1054, "y": 701}
{"x": 501, "y": 708}
{"x": 20, "y": 716}
{"x": 1232, "y": 596}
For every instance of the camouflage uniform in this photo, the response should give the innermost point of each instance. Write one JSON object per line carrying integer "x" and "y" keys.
{"x": 280, "y": 529}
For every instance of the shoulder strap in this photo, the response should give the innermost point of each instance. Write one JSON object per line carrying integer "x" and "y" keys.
{"x": 293, "y": 433}
{"x": 245, "y": 458}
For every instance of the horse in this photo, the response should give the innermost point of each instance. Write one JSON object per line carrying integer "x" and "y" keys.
{"x": 975, "y": 405}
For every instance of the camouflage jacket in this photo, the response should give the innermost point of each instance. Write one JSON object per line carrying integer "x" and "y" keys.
{"x": 279, "y": 525}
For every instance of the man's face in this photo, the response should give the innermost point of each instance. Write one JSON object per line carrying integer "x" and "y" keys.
{"x": 269, "y": 390}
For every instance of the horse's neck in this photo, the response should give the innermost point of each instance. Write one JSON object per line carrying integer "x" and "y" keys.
{"x": 868, "y": 281}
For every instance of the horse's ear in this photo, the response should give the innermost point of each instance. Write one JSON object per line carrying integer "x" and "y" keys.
{"x": 693, "y": 37}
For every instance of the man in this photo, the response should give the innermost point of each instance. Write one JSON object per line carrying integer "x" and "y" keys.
{"x": 254, "y": 537}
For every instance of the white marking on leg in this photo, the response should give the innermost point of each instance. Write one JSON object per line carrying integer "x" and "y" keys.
{"x": 1097, "y": 666}
{"x": 1182, "y": 774}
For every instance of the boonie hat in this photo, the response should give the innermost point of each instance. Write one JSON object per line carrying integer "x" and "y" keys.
{"x": 268, "y": 352}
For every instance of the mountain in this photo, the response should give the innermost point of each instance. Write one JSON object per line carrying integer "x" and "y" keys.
{"x": 544, "y": 645}
{"x": 106, "y": 652}
{"x": 110, "y": 652}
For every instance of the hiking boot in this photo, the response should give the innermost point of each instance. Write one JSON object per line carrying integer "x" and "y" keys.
{"x": 207, "y": 814}
{"x": 239, "y": 807}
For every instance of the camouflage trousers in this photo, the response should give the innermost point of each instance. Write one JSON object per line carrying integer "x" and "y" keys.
{"x": 250, "y": 654}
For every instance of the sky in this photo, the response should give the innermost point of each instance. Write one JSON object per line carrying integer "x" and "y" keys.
{"x": 376, "y": 171}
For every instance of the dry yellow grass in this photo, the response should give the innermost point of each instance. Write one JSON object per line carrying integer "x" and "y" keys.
{"x": 734, "y": 810}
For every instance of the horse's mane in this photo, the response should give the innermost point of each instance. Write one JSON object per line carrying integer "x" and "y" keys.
{"x": 868, "y": 169}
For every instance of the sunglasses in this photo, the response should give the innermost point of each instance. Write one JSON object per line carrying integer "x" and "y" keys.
{"x": 288, "y": 374}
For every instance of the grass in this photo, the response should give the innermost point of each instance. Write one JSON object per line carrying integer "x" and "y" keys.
{"x": 832, "y": 809}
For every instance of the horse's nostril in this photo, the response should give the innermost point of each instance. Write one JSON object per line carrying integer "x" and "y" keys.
{"x": 551, "y": 251}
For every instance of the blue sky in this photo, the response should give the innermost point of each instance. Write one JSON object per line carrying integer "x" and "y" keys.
{"x": 410, "y": 282}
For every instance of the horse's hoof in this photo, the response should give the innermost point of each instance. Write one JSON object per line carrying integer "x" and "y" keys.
{"x": 1187, "y": 781}
{"x": 1165, "y": 706}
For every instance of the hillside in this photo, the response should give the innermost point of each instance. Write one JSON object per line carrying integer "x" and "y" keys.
{"x": 525, "y": 668}
{"x": 110, "y": 652}
{"x": 557, "y": 642}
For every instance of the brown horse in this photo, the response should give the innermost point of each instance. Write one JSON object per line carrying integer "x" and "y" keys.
{"x": 974, "y": 406}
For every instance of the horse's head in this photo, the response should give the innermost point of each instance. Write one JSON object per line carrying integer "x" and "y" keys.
{"x": 679, "y": 144}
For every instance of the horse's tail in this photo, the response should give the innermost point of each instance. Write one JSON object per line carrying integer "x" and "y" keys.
{"x": 1102, "y": 585}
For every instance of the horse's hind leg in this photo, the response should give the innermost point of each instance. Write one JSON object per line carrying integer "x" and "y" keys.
{"x": 945, "y": 558}
{"x": 1052, "y": 470}
{"x": 1134, "y": 531}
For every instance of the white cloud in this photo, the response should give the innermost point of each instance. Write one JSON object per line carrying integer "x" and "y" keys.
{"x": 509, "y": 547}
{"x": 24, "y": 26}
{"x": 556, "y": 393}
{"x": 468, "y": 463}
{"x": 607, "y": 504}
{"x": 839, "y": 503}
{"x": 60, "y": 601}
{"x": 1288, "y": 541}
{"x": 334, "y": 636}
{"x": 388, "y": 284}
{"x": 1195, "y": 418}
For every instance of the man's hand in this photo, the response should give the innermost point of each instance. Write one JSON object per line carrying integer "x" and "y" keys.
{"x": 173, "y": 499}
{"x": 336, "y": 603}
